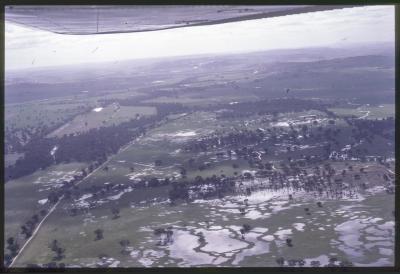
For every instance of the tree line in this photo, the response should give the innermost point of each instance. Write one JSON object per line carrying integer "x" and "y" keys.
{"x": 93, "y": 145}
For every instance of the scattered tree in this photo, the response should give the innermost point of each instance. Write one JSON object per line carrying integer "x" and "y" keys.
{"x": 115, "y": 212}
{"x": 99, "y": 234}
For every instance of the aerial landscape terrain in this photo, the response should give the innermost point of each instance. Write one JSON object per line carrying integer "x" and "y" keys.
{"x": 228, "y": 160}
{"x": 271, "y": 158}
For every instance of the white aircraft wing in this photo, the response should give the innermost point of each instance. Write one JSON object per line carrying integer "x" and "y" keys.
{"x": 86, "y": 19}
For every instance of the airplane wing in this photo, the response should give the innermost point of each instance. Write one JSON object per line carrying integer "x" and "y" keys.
{"x": 86, "y": 19}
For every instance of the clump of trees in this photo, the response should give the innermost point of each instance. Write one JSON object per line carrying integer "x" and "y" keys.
{"x": 12, "y": 246}
{"x": 124, "y": 244}
{"x": 115, "y": 213}
{"x": 201, "y": 188}
{"x": 280, "y": 261}
{"x": 315, "y": 263}
{"x": 245, "y": 229}
{"x": 59, "y": 252}
{"x": 178, "y": 191}
{"x": 98, "y": 234}
{"x": 164, "y": 234}
{"x": 29, "y": 226}
{"x": 201, "y": 239}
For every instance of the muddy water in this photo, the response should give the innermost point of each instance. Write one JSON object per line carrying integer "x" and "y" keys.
{"x": 361, "y": 232}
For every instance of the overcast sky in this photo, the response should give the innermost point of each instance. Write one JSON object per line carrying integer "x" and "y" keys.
{"x": 26, "y": 47}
